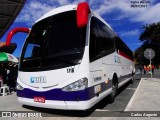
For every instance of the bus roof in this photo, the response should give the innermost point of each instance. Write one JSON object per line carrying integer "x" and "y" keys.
{"x": 68, "y": 8}
{"x": 99, "y": 17}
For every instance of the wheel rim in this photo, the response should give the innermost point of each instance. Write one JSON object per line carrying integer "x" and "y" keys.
{"x": 113, "y": 90}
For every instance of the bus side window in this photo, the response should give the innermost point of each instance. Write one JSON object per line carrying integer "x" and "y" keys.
{"x": 101, "y": 39}
{"x": 120, "y": 45}
{"x": 93, "y": 41}
{"x": 36, "y": 51}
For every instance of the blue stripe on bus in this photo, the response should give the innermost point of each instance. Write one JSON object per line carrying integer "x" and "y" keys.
{"x": 58, "y": 94}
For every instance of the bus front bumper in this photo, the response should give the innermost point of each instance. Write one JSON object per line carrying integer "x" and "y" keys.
{"x": 63, "y": 105}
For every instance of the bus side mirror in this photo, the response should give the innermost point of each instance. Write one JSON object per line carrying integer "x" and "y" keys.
{"x": 14, "y": 31}
{"x": 82, "y": 14}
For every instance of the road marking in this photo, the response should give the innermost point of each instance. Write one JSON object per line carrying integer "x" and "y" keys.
{"x": 132, "y": 99}
{"x": 101, "y": 110}
{"x": 131, "y": 89}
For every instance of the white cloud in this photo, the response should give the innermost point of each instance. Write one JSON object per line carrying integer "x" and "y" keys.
{"x": 124, "y": 10}
{"x": 130, "y": 33}
{"x": 63, "y": 2}
{"x": 33, "y": 10}
{"x": 137, "y": 43}
{"x": 77, "y": 1}
{"x": 121, "y": 9}
{"x": 150, "y": 15}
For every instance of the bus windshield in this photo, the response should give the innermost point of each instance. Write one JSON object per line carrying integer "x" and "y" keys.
{"x": 53, "y": 43}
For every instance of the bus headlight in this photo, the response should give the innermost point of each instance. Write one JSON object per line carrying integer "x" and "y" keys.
{"x": 76, "y": 86}
{"x": 19, "y": 87}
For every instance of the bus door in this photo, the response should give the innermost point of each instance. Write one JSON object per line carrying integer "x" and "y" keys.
{"x": 109, "y": 64}
{"x": 96, "y": 75}
{"x": 119, "y": 68}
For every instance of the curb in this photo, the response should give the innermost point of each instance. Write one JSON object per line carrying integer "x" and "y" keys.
{"x": 132, "y": 99}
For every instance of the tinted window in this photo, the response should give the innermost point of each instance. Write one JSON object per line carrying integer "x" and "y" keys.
{"x": 54, "y": 43}
{"x": 101, "y": 39}
{"x": 120, "y": 45}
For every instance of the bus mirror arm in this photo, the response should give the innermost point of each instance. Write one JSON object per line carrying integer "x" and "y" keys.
{"x": 14, "y": 31}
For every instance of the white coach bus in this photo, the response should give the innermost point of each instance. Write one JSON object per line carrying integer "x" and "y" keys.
{"x": 71, "y": 60}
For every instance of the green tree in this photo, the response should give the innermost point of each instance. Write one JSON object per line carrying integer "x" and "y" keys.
{"x": 139, "y": 55}
{"x": 151, "y": 33}
{"x": 151, "y": 38}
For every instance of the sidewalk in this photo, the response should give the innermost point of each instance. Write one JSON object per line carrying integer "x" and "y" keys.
{"x": 146, "y": 97}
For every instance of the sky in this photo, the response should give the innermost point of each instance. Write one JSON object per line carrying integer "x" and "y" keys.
{"x": 126, "y": 17}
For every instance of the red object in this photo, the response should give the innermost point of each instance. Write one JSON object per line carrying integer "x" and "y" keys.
{"x": 14, "y": 31}
{"x": 126, "y": 56}
{"x": 39, "y": 99}
{"x": 82, "y": 14}
{"x": 152, "y": 66}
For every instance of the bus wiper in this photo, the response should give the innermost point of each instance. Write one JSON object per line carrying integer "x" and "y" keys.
{"x": 32, "y": 59}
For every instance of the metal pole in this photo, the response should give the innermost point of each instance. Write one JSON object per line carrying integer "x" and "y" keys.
{"x": 150, "y": 67}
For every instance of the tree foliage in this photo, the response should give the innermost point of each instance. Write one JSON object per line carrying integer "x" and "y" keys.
{"x": 139, "y": 54}
{"x": 151, "y": 33}
{"x": 151, "y": 38}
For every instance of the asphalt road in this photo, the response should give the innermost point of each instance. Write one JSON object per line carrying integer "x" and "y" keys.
{"x": 123, "y": 97}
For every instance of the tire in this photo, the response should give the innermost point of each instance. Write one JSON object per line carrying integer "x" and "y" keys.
{"x": 114, "y": 90}
{"x": 132, "y": 79}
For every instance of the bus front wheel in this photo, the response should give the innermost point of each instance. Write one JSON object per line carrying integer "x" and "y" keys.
{"x": 114, "y": 90}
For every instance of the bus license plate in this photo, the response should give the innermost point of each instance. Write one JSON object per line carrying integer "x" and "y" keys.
{"x": 97, "y": 89}
{"x": 39, "y": 99}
